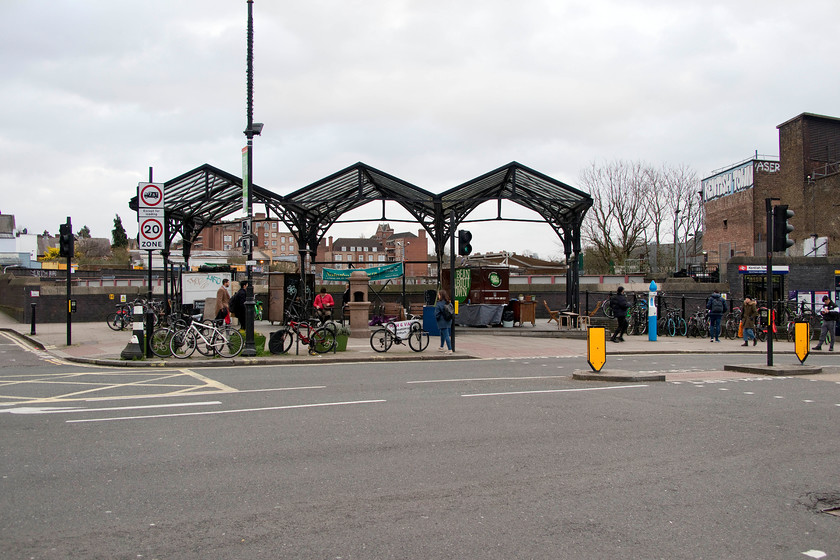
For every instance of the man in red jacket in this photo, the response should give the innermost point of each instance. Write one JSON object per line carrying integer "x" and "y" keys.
{"x": 324, "y": 304}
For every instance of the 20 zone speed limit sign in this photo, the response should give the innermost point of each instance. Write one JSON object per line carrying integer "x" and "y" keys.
{"x": 151, "y": 234}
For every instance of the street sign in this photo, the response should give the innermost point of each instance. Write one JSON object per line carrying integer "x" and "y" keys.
{"x": 596, "y": 348}
{"x": 150, "y": 195}
{"x": 151, "y": 234}
{"x": 802, "y": 340}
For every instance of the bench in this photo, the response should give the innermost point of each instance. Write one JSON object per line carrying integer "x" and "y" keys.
{"x": 393, "y": 310}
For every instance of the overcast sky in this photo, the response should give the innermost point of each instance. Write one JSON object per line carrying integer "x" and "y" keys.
{"x": 95, "y": 92}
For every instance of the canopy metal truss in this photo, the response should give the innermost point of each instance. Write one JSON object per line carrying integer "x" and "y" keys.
{"x": 206, "y": 195}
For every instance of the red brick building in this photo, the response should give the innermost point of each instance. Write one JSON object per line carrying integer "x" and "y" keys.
{"x": 806, "y": 177}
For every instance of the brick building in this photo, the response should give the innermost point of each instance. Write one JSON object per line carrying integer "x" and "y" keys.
{"x": 806, "y": 177}
{"x": 384, "y": 247}
{"x": 273, "y": 241}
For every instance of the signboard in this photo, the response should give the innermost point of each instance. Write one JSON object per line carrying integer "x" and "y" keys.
{"x": 374, "y": 273}
{"x": 462, "y": 284}
{"x": 736, "y": 179}
{"x": 596, "y": 348}
{"x": 150, "y": 195}
{"x": 245, "y": 179}
{"x": 150, "y": 216}
{"x": 151, "y": 234}
{"x": 762, "y": 269}
{"x": 802, "y": 339}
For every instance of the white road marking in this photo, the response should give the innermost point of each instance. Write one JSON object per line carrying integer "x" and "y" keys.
{"x": 815, "y": 554}
{"x": 486, "y": 379}
{"x": 71, "y": 409}
{"x": 555, "y": 391}
{"x": 289, "y": 407}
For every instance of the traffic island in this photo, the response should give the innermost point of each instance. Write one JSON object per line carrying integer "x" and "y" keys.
{"x": 618, "y": 376}
{"x": 780, "y": 370}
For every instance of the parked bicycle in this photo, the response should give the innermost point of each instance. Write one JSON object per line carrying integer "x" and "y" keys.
{"x": 398, "y": 332}
{"x": 638, "y": 318}
{"x": 122, "y": 318}
{"x": 318, "y": 339}
{"x": 163, "y": 336}
{"x": 211, "y": 339}
{"x": 698, "y": 324}
{"x": 731, "y": 322}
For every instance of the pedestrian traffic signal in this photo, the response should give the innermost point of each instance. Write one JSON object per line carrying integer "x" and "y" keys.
{"x": 65, "y": 240}
{"x": 464, "y": 238}
{"x": 781, "y": 227}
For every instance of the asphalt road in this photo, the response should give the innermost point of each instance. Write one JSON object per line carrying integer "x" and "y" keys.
{"x": 479, "y": 458}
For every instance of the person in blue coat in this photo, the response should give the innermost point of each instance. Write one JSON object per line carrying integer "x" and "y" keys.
{"x": 443, "y": 318}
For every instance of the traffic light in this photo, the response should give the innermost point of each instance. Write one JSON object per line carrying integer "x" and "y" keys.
{"x": 781, "y": 227}
{"x": 464, "y": 238}
{"x": 65, "y": 240}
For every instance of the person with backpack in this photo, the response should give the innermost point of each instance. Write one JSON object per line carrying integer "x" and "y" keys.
{"x": 717, "y": 307}
{"x": 444, "y": 314}
{"x": 830, "y": 315}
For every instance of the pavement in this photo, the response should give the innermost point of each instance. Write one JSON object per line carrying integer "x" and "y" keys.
{"x": 95, "y": 343}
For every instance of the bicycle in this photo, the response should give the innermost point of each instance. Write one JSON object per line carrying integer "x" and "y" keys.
{"x": 698, "y": 325}
{"x": 638, "y": 315}
{"x": 731, "y": 322}
{"x": 319, "y": 340}
{"x": 210, "y": 339}
{"x": 161, "y": 338}
{"x": 122, "y": 318}
{"x": 392, "y": 333}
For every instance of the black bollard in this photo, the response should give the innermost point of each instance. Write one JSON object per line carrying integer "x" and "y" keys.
{"x": 32, "y": 328}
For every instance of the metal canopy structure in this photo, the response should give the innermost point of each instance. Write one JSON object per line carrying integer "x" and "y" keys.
{"x": 207, "y": 195}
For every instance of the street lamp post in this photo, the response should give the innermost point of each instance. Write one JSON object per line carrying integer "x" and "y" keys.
{"x": 676, "y": 241}
{"x": 252, "y": 129}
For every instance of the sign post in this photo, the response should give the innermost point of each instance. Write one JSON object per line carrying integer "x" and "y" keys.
{"x": 151, "y": 219}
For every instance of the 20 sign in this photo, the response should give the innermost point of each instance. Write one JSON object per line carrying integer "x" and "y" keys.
{"x": 151, "y": 234}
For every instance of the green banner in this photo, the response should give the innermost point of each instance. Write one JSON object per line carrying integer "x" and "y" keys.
{"x": 462, "y": 284}
{"x": 374, "y": 273}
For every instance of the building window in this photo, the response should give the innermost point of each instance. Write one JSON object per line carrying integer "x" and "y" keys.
{"x": 273, "y": 235}
{"x": 273, "y": 243}
{"x": 381, "y": 258}
{"x": 361, "y": 258}
{"x": 338, "y": 257}
{"x": 228, "y": 238}
{"x": 725, "y": 224}
{"x": 273, "y": 226}
{"x": 374, "y": 249}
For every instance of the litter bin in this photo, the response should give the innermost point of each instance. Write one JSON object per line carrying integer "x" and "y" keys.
{"x": 429, "y": 321}
{"x": 508, "y": 316}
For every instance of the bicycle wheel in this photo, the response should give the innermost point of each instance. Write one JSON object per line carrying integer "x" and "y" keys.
{"x": 116, "y": 321}
{"x": 672, "y": 327}
{"x": 233, "y": 343}
{"x": 381, "y": 340}
{"x": 160, "y": 342}
{"x": 661, "y": 326}
{"x": 682, "y": 327}
{"x": 418, "y": 340}
{"x": 322, "y": 340}
{"x": 607, "y": 309}
{"x": 205, "y": 342}
{"x": 280, "y": 341}
{"x": 790, "y": 329}
{"x": 183, "y": 344}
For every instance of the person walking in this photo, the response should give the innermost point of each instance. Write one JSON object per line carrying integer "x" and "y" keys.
{"x": 444, "y": 315}
{"x": 222, "y": 300}
{"x": 748, "y": 316}
{"x": 237, "y": 303}
{"x": 619, "y": 307}
{"x": 717, "y": 307}
{"x": 830, "y": 315}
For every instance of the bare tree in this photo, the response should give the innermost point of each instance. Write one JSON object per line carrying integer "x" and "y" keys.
{"x": 681, "y": 184}
{"x": 615, "y": 226}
